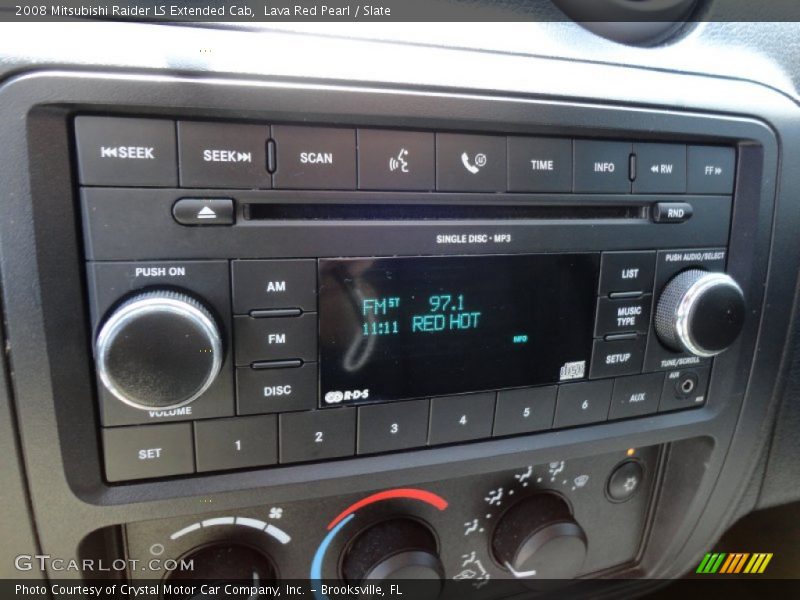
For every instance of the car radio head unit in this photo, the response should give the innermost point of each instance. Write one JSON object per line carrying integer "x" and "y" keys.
{"x": 252, "y": 306}
{"x": 397, "y": 328}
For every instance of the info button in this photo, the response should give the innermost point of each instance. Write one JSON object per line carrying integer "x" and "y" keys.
{"x": 315, "y": 158}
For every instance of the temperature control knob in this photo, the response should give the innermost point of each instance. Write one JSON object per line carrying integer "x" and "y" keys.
{"x": 221, "y": 564}
{"x": 159, "y": 349}
{"x": 400, "y": 548}
{"x": 538, "y": 537}
{"x": 700, "y": 312}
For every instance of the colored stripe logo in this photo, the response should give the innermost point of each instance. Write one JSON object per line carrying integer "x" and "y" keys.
{"x": 733, "y": 563}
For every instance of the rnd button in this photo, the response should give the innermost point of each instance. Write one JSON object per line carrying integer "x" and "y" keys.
{"x": 274, "y": 284}
{"x": 627, "y": 272}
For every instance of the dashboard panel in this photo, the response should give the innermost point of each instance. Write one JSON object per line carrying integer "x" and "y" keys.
{"x": 370, "y": 269}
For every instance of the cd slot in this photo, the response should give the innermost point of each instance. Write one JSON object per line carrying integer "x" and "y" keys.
{"x": 438, "y": 212}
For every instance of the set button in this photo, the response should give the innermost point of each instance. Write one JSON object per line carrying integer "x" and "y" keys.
{"x": 148, "y": 451}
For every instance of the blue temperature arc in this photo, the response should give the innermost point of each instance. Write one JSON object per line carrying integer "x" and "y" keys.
{"x": 316, "y": 564}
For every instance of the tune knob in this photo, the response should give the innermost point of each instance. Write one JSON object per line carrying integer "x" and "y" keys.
{"x": 700, "y": 312}
{"x": 400, "y": 548}
{"x": 220, "y": 564}
{"x": 159, "y": 349}
{"x": 538, "y": 537}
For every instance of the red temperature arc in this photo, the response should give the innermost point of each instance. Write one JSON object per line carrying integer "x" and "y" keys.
{"x": 409, "y": 493}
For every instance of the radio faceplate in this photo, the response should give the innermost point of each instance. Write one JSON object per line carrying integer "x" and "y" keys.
{"x": 342, "y": 323}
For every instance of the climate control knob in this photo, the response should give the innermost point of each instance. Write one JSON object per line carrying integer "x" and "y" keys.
{"x": 221, "y": 564}
{"x": 538, "y": 537}
{"x": 159, "y": 349}
{"x": 700, "y": 312}
{"x": 400, "y": 548}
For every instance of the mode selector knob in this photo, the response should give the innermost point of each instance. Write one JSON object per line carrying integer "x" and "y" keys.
{"x": 700, "y": 312}
{"x": 539, "y": 538}
{"x": 158, "y": 349}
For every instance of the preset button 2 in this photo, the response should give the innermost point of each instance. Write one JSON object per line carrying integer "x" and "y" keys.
{"x": 317, "y": 434}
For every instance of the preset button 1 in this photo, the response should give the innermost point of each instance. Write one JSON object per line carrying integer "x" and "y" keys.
{"x": 236, "y": 443}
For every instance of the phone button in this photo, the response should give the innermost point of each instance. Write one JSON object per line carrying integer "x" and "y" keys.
{"x": 470, "y": 163}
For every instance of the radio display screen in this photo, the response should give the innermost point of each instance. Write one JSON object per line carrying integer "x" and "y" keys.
{"x": 402, "y": 328}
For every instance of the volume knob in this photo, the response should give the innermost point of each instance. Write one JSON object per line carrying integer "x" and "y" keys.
{"x": 700, "y": 312}
{"x": 159, "y": 349}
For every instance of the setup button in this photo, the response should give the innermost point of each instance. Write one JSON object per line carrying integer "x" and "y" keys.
{"x": 617, "y": 357}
